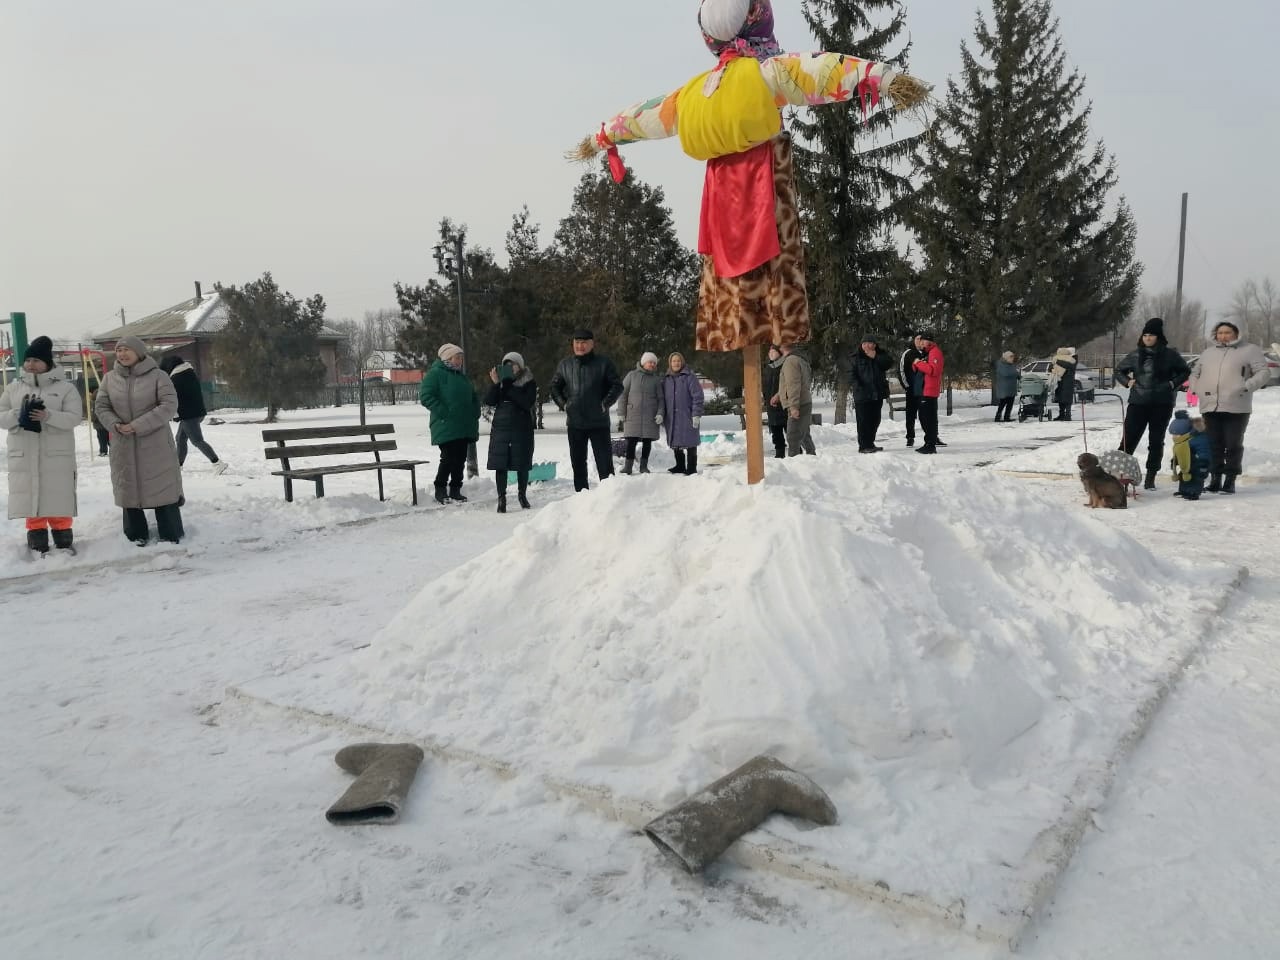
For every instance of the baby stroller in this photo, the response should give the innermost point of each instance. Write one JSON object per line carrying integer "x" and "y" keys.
{"x": 1033, "y": 399}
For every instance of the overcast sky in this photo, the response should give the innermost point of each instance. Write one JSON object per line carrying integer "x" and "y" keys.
{"x": 151, "y": 143}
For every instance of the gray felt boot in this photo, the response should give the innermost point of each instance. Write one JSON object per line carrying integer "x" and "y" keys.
{"x": 701, "y": 828}
{"x": 384, "y": 773}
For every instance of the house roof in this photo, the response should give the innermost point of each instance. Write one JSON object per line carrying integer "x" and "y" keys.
{"x": 196, "y": 317}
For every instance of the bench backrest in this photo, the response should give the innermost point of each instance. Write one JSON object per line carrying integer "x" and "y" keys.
{"x": 283, "y": 452}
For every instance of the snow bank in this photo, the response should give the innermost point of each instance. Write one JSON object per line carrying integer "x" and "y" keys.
{"x": 944, "y": 652}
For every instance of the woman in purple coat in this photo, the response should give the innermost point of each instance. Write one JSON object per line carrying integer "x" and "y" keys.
{"x": 683, "y": 395}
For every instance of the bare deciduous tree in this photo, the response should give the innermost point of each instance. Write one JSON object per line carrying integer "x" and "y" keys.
{"x": 1255, "y": 309}
{"x": 1187, "y": 334}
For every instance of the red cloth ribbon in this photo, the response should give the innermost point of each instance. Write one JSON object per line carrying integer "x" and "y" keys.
{"x": 868, "y": 91}
{"x": 617, "y": 169}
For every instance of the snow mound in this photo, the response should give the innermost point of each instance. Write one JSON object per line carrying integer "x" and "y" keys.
{"x": 887, "y": 627}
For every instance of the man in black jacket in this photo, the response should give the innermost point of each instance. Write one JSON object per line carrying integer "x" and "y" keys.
{"x": 1153, "y": 373}
{"x": 912, "y": 384}
{"x": 191, "y": 411}
{"x": 868, "y": 378}
{"x": 585, "y": 387}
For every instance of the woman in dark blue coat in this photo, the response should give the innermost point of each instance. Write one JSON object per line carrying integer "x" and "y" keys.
{"x": 514, "y": 398}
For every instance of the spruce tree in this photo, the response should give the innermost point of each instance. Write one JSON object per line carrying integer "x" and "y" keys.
{"x": 269, "y": 350}
{"x": 852, "y": 183}
{"x": 624, "y": 272}
{"x": 1023, "y": 247}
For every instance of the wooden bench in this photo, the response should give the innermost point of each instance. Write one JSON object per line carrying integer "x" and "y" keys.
{"x": 897, "y": 404}
{"x": 283, "y": 452}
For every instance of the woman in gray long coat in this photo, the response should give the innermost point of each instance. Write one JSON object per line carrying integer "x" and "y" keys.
{"x": 136, "y": 403}
{"x": 640, "y": 410}
{"x": 40, "y": 410}
{"x": 1226, "y": 377}
{"x": 1007, "y": 376}
{"x": 682, "y": 413}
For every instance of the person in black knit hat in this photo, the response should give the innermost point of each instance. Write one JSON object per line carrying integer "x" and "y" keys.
{"x": 1153, "y": 373}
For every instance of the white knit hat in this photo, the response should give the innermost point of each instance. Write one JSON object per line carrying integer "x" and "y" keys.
{"x": 648, "y": 357}
{"x": 448, "y": 352}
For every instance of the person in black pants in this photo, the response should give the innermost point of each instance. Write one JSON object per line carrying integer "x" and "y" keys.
{"x": 191, "y": 411}
{"x": 776, "y": 416}
{"x": 869, "y": 380}
{"x": 585, "y": 386}
{"x": 1153, "y": 373}
{"x": 912, "y": 385}
{"x": 931, "y": 368}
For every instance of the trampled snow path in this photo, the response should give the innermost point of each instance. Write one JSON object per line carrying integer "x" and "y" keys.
{"x": 138, "y": 823}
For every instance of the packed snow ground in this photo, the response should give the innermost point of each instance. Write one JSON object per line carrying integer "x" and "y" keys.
{"x": 148, "y": 821}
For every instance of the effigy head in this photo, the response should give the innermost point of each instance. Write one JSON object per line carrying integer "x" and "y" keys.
{"x": 742, "y": 25}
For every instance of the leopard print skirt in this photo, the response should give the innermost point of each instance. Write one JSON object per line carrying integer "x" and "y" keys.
{"x": 768, "y": 304}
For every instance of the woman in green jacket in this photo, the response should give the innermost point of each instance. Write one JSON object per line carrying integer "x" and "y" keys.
{"x": 455, "y": 418}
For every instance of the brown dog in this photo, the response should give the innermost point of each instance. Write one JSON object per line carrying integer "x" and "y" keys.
{"x": 1103, "y": 489}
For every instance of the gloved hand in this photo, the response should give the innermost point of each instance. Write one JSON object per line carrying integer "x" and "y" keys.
{"x": 658, "y": 419}
{"x": 30, "y": 403}
{"x": 696, "y": 422}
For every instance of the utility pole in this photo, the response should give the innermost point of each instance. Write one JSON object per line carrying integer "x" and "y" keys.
{"x": 1182, "y": 260}
{"x": 122, "y": 319}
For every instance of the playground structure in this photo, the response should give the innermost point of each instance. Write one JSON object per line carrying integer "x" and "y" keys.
{"x": 93, "y": 364}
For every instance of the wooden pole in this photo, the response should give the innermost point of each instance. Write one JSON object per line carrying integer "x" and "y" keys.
{"x": 1182, "y": 260}
{"x": 754, "y": 412}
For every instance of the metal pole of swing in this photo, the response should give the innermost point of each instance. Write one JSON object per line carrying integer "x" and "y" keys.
{"x": 473, "y": 470}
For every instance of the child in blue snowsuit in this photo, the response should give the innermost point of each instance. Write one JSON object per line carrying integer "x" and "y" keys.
{"x": 1192, "y": 456}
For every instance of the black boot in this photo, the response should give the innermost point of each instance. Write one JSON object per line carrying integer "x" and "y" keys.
{"x": 524, "y": 500}
{"x": 502, "y": 503}
{"x": 679, "y": 467}
{"x": 644, "y": 463}
{"x": 455, "y": 493}
{"x": 38, "y": 540}
{"x": 1229, "y": 483}
{"x": 62, "y": 539}
{"x": 440, "y": 496}
{"x": 691, "y": 462}
{"x": 629, "y": 467}
{"x": 1150, "y": 482}
{"x": 1215, "y": 484}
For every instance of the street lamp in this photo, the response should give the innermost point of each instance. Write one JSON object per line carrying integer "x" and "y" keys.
{"x": 451, "y": 262}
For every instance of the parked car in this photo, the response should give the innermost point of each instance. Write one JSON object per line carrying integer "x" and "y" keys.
{"x": 1086, "y": 377}
{"x": 1273, "y": 366}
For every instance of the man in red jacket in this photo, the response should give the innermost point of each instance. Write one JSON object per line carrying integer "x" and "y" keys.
{"x": 931, "y": 366}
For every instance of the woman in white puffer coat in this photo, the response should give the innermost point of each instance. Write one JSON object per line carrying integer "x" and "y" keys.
{"x": 1225, "y": 377}
{"x": 39, "y": 411}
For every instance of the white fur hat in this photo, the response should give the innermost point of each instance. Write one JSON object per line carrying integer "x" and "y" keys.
{"x": 648, "y": 357}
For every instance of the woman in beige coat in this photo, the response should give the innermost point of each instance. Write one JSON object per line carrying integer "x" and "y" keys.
{"x": 40, "y": 410}
{"x": 136, "y": 403}
{"x": 1225, "y": 378}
